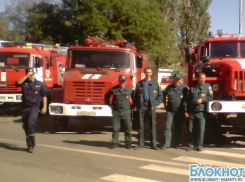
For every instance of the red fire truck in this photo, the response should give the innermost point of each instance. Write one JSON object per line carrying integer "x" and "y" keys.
{"x": 222, "y": 59}
{"x": 47, "y": 61}
{"x": 91, "y": 70}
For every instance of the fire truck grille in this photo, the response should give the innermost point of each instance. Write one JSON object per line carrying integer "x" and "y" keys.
{"x": 87, "y": 92}
{"x": 9, "y": 88}
{"x": 239, "y": 83}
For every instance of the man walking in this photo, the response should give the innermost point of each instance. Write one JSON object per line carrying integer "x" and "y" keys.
{"x": 121, "y": 107}
{"x": 197, "y": 98}
{"x": 176, "y": 93}
{"x": 32, "y": 91}
{"x": 147, "y": 96}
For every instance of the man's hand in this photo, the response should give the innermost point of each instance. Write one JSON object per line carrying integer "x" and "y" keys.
{"x": 187, "y": 115}
{"x": 44, "y": 110}
{"x": 29, "y": 74}
{"x": 199, "y": 101}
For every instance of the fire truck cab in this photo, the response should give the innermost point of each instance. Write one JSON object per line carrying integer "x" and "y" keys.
{"x": 91, "y": 70}
{"x": 47, "y": 62}
{"x": 222, "y": 59}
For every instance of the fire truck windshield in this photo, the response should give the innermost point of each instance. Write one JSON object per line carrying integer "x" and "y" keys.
{"x": 99, "y": 59}
{"x": 14, "y": 60}
{"x": 223, "y": 49}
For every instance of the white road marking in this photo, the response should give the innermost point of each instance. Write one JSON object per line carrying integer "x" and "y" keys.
{"x": 167, "y": 169}
{"x": 192, "y": 160}
{"x": 104, "y": 154}
{"x": 123, "y": 178}
{"x": 226, "y": 154}
{"x": 238, "y": 148}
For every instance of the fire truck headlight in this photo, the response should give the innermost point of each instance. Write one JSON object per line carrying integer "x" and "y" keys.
{"x": 56, "y": 109}
{"x": 216, "y": 106}
{"x": 18, "y": 97}
{"x": 215, "y": 87}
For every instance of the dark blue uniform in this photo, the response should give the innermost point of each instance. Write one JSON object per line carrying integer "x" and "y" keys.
{"x": 146, "y": 103}
{"x": 175, "y": 111}
{"x": 31, "y": 97}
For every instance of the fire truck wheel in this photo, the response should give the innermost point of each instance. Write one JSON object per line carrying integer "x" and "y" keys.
{"x": 60, "y": 124}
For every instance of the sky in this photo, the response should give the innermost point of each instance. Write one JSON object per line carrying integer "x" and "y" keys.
{"x": 224, "y": 15}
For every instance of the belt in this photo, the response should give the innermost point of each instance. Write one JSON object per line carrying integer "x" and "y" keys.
{"x": 146, "y": 101}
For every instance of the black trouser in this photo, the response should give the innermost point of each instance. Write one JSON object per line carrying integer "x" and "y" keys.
{"x": 125, "y": 117}
{"x": 147, "y": 111}
{"x": 29, "y": 118}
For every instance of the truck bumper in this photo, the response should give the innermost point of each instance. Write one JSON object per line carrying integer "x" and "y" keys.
{"x": 61, "y": 109}
{"x": 220, "y": 106}
{"x": 10, "y": 98}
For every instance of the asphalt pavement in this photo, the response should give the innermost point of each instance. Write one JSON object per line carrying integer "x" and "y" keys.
{"x": 86, "y": 157}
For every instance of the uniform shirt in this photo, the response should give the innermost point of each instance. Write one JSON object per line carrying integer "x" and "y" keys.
{"x": 155, "y": 93}
{"x": 32, "y": 93}
{"x": 147, "y": 90}
{"x": 203, "y": 92}
{"x": 176, "y": 96}
{"x": 121, "y": 98}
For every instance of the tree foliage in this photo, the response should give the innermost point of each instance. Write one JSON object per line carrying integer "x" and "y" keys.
{"x": 15, "y": 18}
{"x": 193, "y": 21}
{"x": 160, "y": 27}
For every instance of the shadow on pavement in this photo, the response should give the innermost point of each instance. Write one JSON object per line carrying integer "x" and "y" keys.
{"x": 90, "y": 143}
{"x": 18, "y": 121}
{"x": 96, "y": 143}
{"x": 11, "y": 147}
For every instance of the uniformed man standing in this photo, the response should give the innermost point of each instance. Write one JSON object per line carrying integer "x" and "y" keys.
{"x": 176, "y": 92}
{"x": 32, "y": 91}
{"x": 195, "y": 106}
{"x": 121, "y": 107}
{"x": 148, "y": 95}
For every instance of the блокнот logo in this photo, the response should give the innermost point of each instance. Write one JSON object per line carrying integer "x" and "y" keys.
{"x": 205, "y": 172}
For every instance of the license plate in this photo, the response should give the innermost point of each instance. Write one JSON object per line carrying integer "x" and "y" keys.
{"x": 2, "y": 97}
{"x": 86, "y": 113}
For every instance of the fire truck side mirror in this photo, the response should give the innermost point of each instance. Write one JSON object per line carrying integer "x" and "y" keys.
{"x": 139, "y": 62}
{"x": 205, "y": 59}
{"x": 194, "y": 57}
{"x": 188, "y": 54}
{"x": 40, "y": 62}
{"x": 52, "y": 61}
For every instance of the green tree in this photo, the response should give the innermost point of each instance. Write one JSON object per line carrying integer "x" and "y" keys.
{"x": 169, "y": 11}
{"x": 15, "y": 18}
{"x": 138, "y": 21}
{"x": 193, "y": 21}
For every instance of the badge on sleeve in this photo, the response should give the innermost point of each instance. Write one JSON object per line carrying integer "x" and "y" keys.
{"x": 210, "y": 90}
{"x": 181, "y": 96}
{"x": 36, "y": 92}
{"x": 154, "y": 91}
